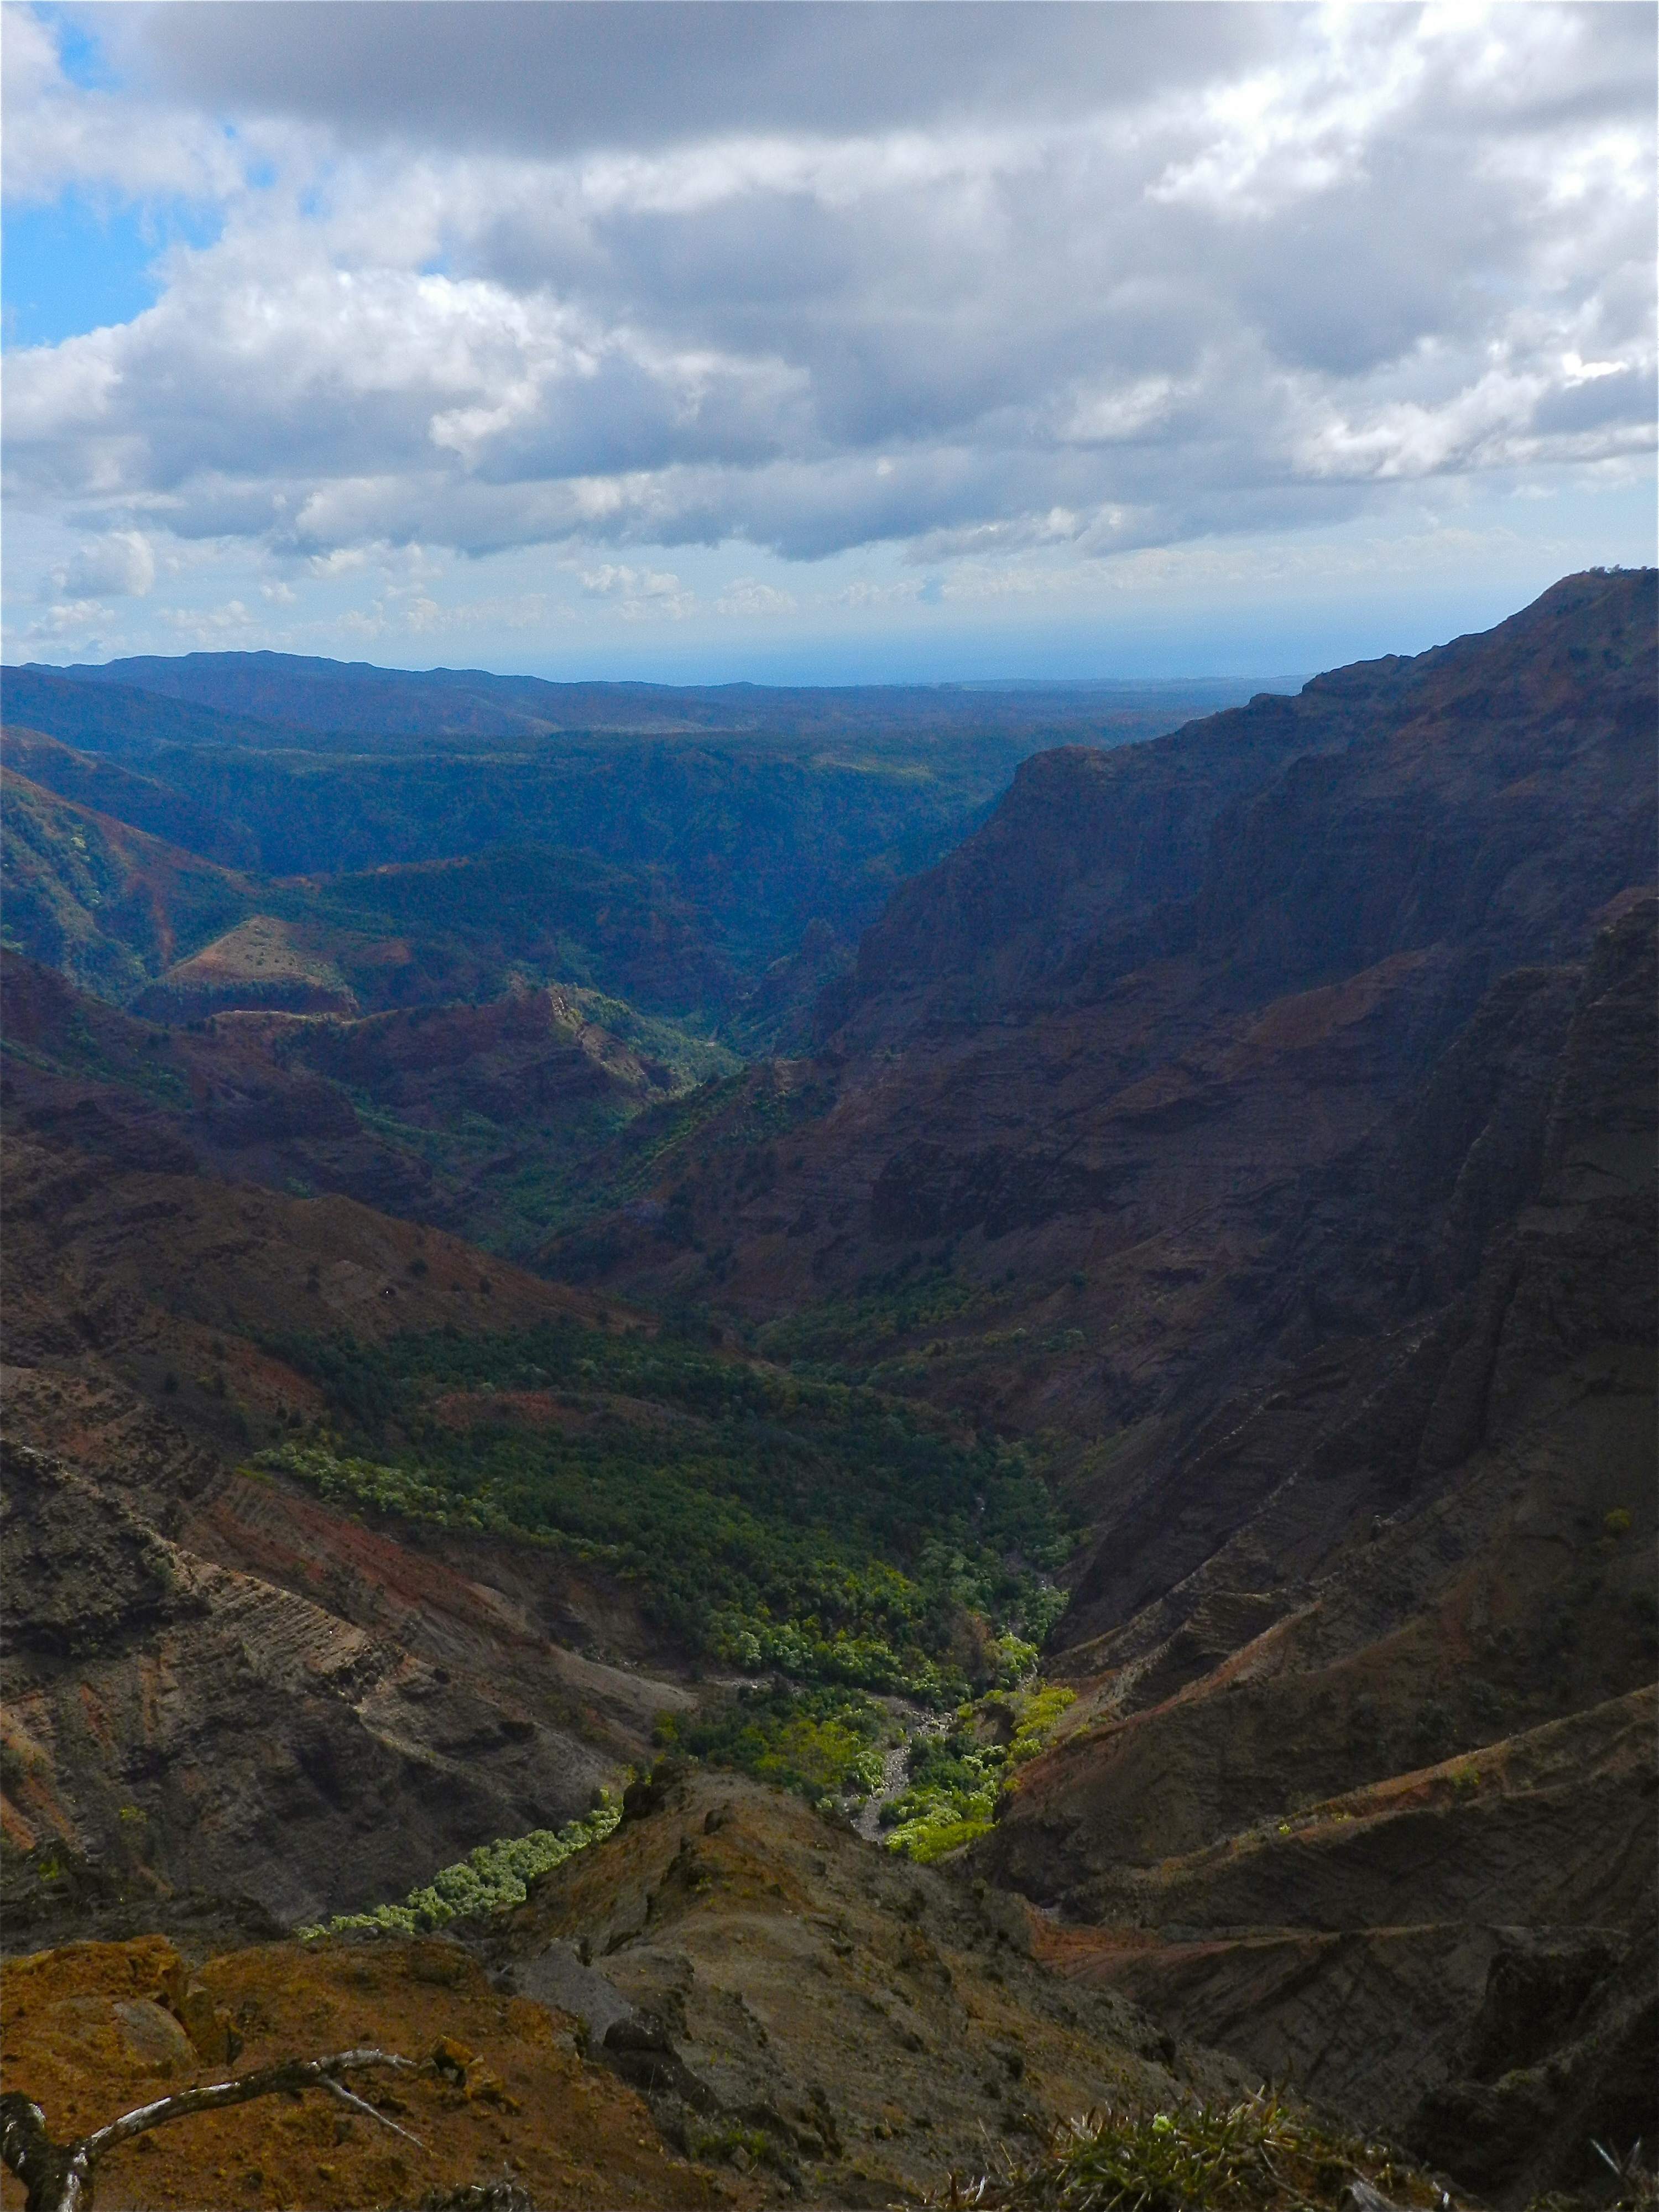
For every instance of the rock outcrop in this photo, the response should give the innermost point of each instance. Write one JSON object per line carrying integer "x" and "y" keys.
{"x": 764, "y": 1977}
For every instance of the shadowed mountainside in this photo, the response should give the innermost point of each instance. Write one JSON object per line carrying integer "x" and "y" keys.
{"x": 1458, "y": 798}
{"x": 478, "y": 1119}
{"x": 1431, "y": 1549}
{"x": 1272, "y": 1108}
{"x": 1096, "y": 1100}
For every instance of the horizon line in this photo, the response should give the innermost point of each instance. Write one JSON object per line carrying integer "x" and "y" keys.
{"x": 68, "y": 670}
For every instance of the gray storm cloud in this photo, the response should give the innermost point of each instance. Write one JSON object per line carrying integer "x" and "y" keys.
{"x": 556, "y": 80}
{"x": 963, "y": 279}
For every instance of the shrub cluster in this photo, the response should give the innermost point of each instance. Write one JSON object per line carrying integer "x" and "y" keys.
{"x": 830, "y": 1744}
{"x": 487, "y": 1880}
{"x": 1261, "y": 2155}
{"x": 841, "y": 1334}
{"x": 824, "y": 1742}
{"x": 956, "y": 1779}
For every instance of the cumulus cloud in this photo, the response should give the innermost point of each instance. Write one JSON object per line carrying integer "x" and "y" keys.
{"x": 639, "y": 592}
{"x": 57, "y": 133}
{"x": 747, "y": 595}
{"x": 67, "y": 618}
{"x": 121, "y": 562}
{"x": 974, "y": 282}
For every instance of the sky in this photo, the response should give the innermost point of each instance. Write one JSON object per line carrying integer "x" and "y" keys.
{"x": 820, "y": 343}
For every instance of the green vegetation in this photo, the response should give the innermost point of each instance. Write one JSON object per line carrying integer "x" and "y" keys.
{"x": 753, "y": 1109}
{"x": 956, "y": 1779}
{"x": 871, "y": 1337}
{"x": 658, "y": 1130}
{"x": 1263, "y": 2155}
{"x": 828, "y": 1744}
{"x": 100, "y": 903}
{"x": 690, "y": 1060}
{"x": 849, "y": 1334}
{"x": 529, "y": 913}
{"x": 488, "y": 1879}
{"x": 806, "y": 1529}
{"x": 720, "y": 2143}
{"x": 524, "y": 1182}
{"x": 822, "y": 1743}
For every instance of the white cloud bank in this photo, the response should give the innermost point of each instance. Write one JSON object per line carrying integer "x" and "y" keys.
{"x": 1047, "y": 287}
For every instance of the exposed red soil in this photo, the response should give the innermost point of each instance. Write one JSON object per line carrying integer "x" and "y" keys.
{"x": 89, "y": 2035}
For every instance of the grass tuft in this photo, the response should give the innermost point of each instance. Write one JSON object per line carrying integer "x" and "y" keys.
{"x": 1261, "y": 2155}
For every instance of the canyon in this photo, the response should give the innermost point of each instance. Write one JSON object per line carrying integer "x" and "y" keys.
{"x": 1212, "y": 1205}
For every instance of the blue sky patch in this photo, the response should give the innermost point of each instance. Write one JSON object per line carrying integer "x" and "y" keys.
{"x": 71, "y": 267}
{"x": 75, "y": 266}
{"x": 80, "y": 54}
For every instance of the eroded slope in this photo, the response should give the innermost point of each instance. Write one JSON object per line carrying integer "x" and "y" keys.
{"x": 1271, "y": 1112}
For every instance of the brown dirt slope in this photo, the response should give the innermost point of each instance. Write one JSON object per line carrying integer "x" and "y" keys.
{"x": 263, "y": 961}
{"x": 730, "y": 1999}
{"x": 772, "y": 1980}
{"x": 96, "y": 2029}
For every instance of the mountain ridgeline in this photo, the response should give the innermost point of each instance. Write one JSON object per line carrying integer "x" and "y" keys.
{"x": 777, "y": 820}
{"x": 1071, "y": 1286}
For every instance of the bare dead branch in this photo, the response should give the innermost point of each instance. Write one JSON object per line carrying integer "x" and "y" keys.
{"x": 59, "y": 2176}
{"x": 56, "y": 2175}
{"x": 361, "y": 2105}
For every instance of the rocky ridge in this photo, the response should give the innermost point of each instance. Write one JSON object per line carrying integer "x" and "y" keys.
{"x": 757, "y": 1971}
